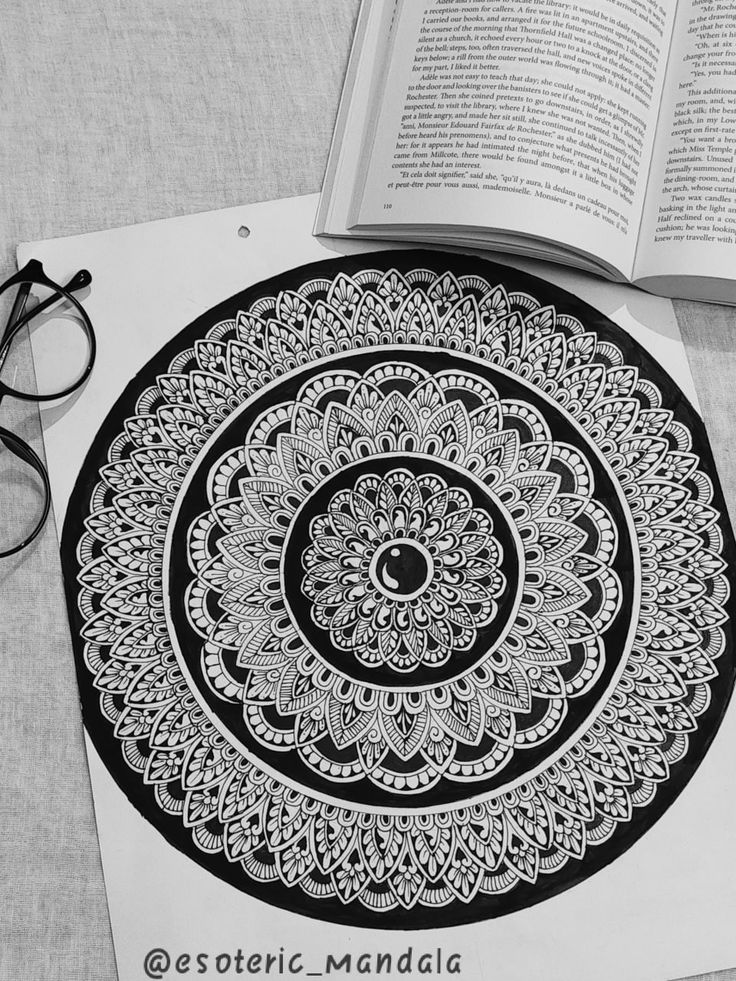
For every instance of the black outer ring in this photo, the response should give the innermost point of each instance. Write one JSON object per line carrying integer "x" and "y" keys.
{"x": 523, "y": 894}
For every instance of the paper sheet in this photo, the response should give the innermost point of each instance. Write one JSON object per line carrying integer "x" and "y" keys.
{"x": 663, "y": 909}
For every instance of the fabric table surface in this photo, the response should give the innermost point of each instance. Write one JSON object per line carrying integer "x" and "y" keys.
{"x": 125, "y": 112}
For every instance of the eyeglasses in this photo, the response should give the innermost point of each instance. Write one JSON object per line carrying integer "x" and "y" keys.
{"x": 64, "y": 348}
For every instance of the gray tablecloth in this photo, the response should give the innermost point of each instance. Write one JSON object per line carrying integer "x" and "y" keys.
{"x": 121, "y": 112}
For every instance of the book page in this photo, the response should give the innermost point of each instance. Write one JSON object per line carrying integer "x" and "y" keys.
{"x": 537, "y": 117}
{"x": 690, "y": 217}
{"x": 362, "y": 82}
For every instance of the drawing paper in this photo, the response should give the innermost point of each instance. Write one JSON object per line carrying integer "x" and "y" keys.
{"x": 399, "y": 587}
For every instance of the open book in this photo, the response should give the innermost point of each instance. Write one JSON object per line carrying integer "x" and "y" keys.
{"x": 596, "y": 133}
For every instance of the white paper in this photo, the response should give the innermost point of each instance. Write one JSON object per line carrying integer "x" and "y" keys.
{"x": 663, "y": 909}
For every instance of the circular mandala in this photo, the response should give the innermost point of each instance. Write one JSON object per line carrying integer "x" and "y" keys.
{"x": 401, "y": 587}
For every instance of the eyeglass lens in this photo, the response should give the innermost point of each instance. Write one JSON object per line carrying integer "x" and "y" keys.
{"x": 24, "y": 496}
{"x": 61, "y": 344}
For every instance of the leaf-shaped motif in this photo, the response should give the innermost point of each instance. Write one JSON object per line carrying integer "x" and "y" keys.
{"x": 416, "y": 317}
{"x": 348, "y": 723}
{"x": 207, "y": 762}
{"x": 175, "y": 389}
{"x": 183, "y": 427}
{"x": 621, "y": 381}
{"x": 405, "y": 731}
{"x": 450, "y": 424}
{"x": 671, "y": 632}
{"x": 285, "y": 820}
{"x": 545, "y": 645}
{"x": 660, "y": 499}
{"x": 199, "y": 806}
{"x": 444, "y": 292}
{"x": 159, "y": 467}
{"x": 613, "y": 417}
{"x": 522, "y": 857}
{"x": 536, "y": 490}
{"x": 136, "y": 723}
{"x": 612, "y": 801}
{"x": 676, "y": 588}
{"x": 485, "y": 838}
{"x": 635, "y": 721}
{"x": 243, "y": 837}
{"x": 604, "y": 757}
{"x": 393, "y": 289}
{"x": 569, "y": 790}
{"x": 241, "y": 794}
{"x": 335, "y": 832}
{"x": 344, "y": 295}
{"x": 130, "y": 600}
{"x": 212, "y": 394}
{"x": 498, "y": 452}
{"x": 559, "y": 539}
{"x": 371, "y": 318}
{"x": 581, "y": 387}
{"x": 102, "y": 574}
{"x": 568, "y": 834}
{"x": 154, "y": 685}
{"x": 211, "y": 356}
{"x": 433, "y": 846}
{"x": 546, "y": 356}
{"x": 581, "y": 349}
{"x": 463, "y": 875}
{"x": 382, "y": 844}
{"x": 674, "y": 717}
{"x": 511, "y": 690}
{"x": 530, "y": 819}
{"x": 291, "y": 308}
{"x": 116, "y": 676}
{"x": 461, "y": 323}
{"x": 247, "y": 367}
{"x": 561, "y": 592}
{"x": 296, "y": 861}
{"x": 494, "y": 306}
{"x": 351, "y": 877}
{"x": 327, "y": 328}
{"x": 505, "y": 338}
{"x": 463, "y": 719}
{"x": 300, "y": 456}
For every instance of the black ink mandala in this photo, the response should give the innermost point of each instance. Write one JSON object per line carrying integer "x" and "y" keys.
{"x": 402, "y": 591}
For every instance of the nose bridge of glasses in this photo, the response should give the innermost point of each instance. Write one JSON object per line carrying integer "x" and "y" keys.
{"x": 33, "y": 269}
{"x": 19, "y": 316}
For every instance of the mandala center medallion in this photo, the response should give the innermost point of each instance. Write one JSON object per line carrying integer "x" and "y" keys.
{"x": 401, "y": 569}
{"x": 410, "y": 572}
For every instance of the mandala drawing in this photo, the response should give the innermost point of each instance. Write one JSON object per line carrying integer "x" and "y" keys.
{"x": 401, "y": 587}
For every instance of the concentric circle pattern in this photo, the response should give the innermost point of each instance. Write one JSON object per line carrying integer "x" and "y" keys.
{"x": 403, "y": 590}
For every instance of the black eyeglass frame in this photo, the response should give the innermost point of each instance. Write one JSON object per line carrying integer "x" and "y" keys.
{"x": 31, "y": 275}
